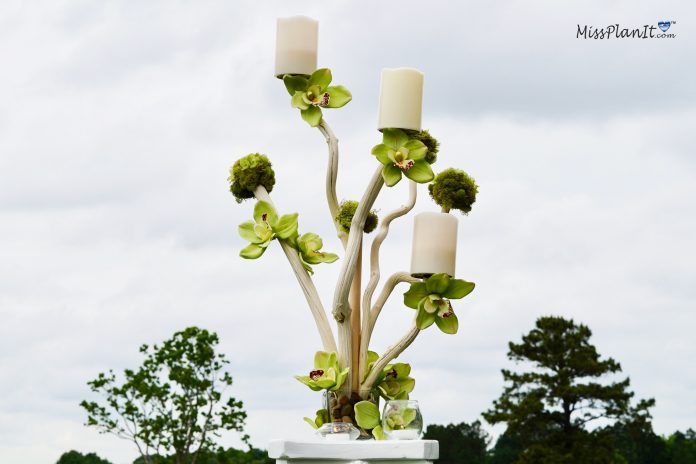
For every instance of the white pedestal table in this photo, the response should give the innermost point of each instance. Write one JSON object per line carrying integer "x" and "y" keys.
{"x": 354, "y": 452}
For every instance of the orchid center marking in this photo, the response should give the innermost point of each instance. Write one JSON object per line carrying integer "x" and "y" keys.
{"x": 314, "y": 375}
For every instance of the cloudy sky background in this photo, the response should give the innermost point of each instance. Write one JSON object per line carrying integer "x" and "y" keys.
{"x": 119, "y": 120}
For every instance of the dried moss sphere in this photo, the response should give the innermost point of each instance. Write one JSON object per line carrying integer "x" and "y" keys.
{"x": 346, "y": 211}
{"x": 454, "y": 189}
{"x": 248, "y": 173}
{"x": 429, "y": 141}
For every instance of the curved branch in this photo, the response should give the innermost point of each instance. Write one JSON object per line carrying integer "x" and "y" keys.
{"x": 341, "y": 306}
{"x": 391, "y": 353}
{"x": 308, "y": 288}
{"x": 331, "y": 174}
{"x": 377, "y": 242}
{"x": 371, "y": 314}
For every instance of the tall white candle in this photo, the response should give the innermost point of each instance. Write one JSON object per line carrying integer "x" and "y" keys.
{"x": 400, "y": 99}
{"x": 296, "y": 45}
{"x": 434, "y": 244}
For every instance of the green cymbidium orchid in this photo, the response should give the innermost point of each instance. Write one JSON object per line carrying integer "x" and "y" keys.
{"x": 399, "y": 419}
{"x": 264, "y": 228}
{"x": 308, "y": 246}
{"x": 313, "y": 93}
{"x": 326, "y": 375}
{"x": 396, "y": 383}
{"x": 402, "y": 155}
{"x": 431, "y": 299}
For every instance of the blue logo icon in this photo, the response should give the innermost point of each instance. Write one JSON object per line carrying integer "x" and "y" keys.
{"x": 664, "y": 25}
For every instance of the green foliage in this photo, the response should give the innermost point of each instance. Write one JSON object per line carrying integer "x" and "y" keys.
{"x": 429, "y": 141}
{"x": 75, "y": 457}
{"x": 549, "y": 405}
{"x": 507, "y": 448}
{"x": 681, "y": 447}
{"x": 311, "y": 94}
{"x": 220, "y": 456}
{"x": 460, "y": 443}
{"x": 431, "y": 299}
{"x": 401, "y": 154}
{"x": 174, "y": 402}
{"x": 249, "y": 172}
{"x": 346, "y": 211}
{"x": 634, "y": 440}
{"x": 454, "y": 189}
{"x": 321, "y": 418}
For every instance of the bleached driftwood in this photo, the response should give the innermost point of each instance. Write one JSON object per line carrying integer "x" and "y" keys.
{"x": 305, "y": 281}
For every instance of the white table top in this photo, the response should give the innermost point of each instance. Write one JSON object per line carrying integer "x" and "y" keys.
{"x": 357, "y": 449}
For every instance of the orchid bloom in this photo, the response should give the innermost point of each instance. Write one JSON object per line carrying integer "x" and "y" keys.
{"x": 326, "y": 375}
{"x": 264, "y": 228}
{"x": 431, "y": 300}
{"x": 311, "y": 94}
{"x": 402, "y": 155}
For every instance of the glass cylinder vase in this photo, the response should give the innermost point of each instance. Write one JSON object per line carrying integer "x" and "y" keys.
{"x": 341, "y": 408}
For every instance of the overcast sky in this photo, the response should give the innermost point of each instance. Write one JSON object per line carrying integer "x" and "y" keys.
{"x": 119, "y": 120}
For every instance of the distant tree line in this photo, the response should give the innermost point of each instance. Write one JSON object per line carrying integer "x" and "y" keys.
{"x": 550, "y": 404}
{"x": 562, "y": 405}
{"x": 221, "y": 456}
{"x": 468, "y": 443}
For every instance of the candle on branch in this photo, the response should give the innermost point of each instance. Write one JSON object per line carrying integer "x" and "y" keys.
{"x": 296, "y": 45}
{"x": 400, "y": 99}
{"x": 434, "y": 244}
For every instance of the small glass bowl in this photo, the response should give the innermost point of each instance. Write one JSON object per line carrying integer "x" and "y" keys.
{"x": 402, "y": 420}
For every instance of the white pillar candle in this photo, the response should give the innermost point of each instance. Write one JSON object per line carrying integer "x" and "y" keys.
{"x": 400, "y": 99}
{"x": 434, "y": 244}
{"x": 296, "y": 45}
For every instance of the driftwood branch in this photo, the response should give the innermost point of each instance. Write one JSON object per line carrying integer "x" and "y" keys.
{"x": 331, "y": 175}
{"x": 305, "y": 281}
{"x": 341, "y": 305}
{"x": 370, "y": 317}
{"x": 375, "y": 273}
{"x": 391, "y": 353}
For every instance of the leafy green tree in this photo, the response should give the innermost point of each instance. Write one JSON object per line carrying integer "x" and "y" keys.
{"x": 175, "y": 402}
{"x": 460, "y": 443}
{"x": 681, "y": 447}
{"x": 223, "y": 456}
{"x": 550, "y": 404}
{"x": 507, "y": 449}
{"x": 634, "y": 440}
{"x": 75, "y": 457}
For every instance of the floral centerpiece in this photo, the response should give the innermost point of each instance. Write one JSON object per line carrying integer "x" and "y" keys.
{"x": 351, "y": 376}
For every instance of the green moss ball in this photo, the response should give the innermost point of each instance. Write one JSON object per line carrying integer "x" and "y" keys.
{"x": 346, "y": 211}
{"x": 454, "y": 189}
{"x": 429, "y": 141}
{"x": 248, "y": 173}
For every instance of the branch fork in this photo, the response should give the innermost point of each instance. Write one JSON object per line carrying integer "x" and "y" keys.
{"x": 353, "y": 337}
